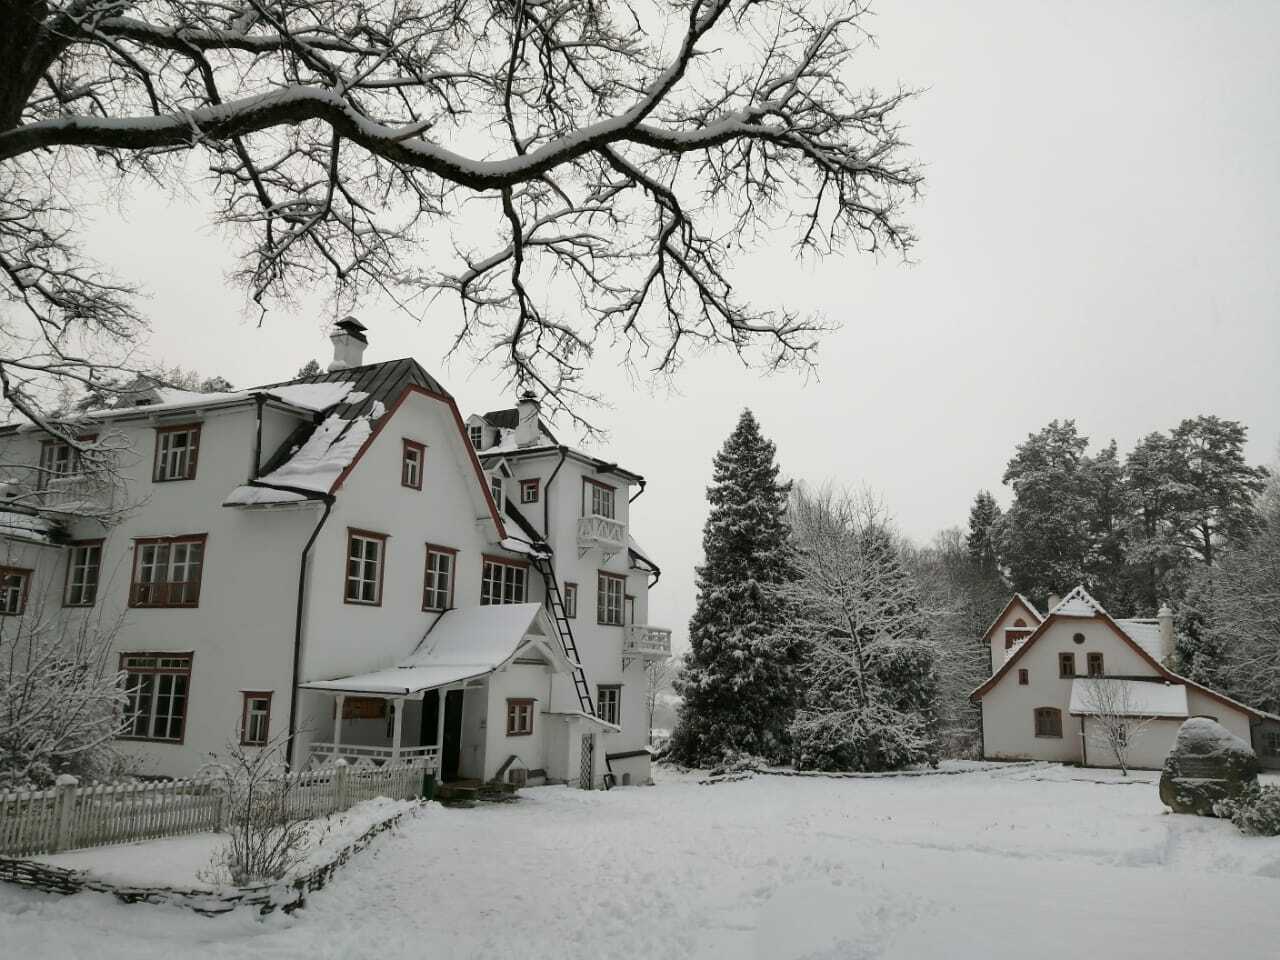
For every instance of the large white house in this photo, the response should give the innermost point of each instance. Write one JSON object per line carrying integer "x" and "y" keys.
{"x": 340, "y": 558}
{"x": 1043, "y": 700}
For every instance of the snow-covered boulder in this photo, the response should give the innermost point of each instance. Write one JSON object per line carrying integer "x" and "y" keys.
{"x": 1208, "y": 763}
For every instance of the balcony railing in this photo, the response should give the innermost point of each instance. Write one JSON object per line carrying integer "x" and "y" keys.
{"x": 78, "y": 494}
{"x": 360, "y": 755}
{"x": 646, "y": 643}
{"x": 604, "y": 532}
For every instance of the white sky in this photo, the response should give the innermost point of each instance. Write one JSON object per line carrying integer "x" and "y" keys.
{"x": 1098, "y": 241}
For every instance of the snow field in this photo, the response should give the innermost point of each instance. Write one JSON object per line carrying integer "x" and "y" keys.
{"x": 1022, "y": 861}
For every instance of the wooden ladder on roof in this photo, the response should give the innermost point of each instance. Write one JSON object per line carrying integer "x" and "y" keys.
{"x": 555, "y": 604}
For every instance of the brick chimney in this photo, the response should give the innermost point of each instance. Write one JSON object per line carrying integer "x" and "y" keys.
{"x": 349, "y": 342}
{"x": 1164, "y": 617}
{"x": 527, "y": 425}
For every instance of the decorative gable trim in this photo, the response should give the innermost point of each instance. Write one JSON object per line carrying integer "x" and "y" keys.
{"x": 1016, "y": 600}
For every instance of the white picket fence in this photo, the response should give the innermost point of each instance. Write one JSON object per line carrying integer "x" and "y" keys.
{"x": 69, "y": 816}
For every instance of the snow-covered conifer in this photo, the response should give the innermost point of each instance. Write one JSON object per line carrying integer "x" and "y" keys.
{"x": 739, "y": 679}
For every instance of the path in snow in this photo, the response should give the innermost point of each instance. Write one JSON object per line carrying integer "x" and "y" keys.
{"x": 1018, "y": 862}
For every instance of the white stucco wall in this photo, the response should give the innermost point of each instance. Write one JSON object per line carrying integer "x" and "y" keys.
{"x": 1017, "y": 611}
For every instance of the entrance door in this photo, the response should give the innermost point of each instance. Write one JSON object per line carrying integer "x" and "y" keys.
{"x": 452, "y": 736}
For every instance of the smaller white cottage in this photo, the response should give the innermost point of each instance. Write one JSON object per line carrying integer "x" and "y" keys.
{"x": 1044, "y": 702}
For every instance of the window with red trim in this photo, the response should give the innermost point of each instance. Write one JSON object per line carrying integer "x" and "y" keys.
{"x": 1094, "y": 661}
{"x": 437, "y": 584}
{"x": 412, "y": 458}
{"x": 366, "y": 554}
{"x": 14, "y": 584}
{"x": 1024, "y": 678}
{"x": 1066, "y": 664}
{"x": 519, "y": 717}
{"x": 167, "y": 571}
{"x": 156, "y": 689}
{"x": 84, "y": 564}
{"x": 530, "y": 490}
{"x": 255, "y": 718}
{"x": 177, "y": 450}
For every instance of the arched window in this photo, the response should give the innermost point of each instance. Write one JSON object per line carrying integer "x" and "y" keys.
{"x": 1048, "y": 722}
{"x": 1019, "y": 622}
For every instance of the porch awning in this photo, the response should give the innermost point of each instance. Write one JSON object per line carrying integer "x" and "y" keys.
{"x": 1127, "y": 698}
{"x": 463, "y": 644}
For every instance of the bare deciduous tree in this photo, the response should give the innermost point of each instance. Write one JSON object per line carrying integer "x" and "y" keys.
{"x": 617, "y": 154}
{"x": 1117, "y": 715}
{"x": 61, "y": 697}
{"x": 658, "y": 677}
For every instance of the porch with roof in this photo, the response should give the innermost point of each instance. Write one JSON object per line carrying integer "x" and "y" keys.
{"x": 458, "y": 656}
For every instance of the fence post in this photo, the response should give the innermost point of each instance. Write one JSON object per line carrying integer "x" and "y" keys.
{"x": 340, "y": 785}
{"x": 66, "y": 786}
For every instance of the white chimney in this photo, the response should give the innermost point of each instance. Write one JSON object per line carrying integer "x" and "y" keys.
{"x": 349, "y": 342}
{"x": 527, "y": 433}
{"x": 1164, "y": 617}
{"x": 1054, "y": 600}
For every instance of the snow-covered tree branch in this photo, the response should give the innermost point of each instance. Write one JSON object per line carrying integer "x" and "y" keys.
{"x": 618, "y": 154}
{"x": 1116, "y": 716}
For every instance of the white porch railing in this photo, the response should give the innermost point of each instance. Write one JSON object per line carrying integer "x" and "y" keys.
{"x": 646, "y": 643}
{"x": 78, "y": 493}
{"x": 357, "y": 754}
{"x": 603, "y": 532}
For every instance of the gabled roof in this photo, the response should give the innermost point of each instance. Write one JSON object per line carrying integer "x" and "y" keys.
{"x": 509, "y": 419}
{"x": 1016, "y": 600}
{"x": 1080, "y": 600}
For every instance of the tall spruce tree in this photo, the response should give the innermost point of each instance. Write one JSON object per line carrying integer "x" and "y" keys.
{"x": 984, "y": 516}
{"x": 739, "y": 681}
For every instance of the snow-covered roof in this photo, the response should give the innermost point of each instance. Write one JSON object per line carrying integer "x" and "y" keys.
{"x": 637, "y": 552}
{"x": 315, "y": 466}
{"x": 1091, "y": 696}
{"x": 1077, "y": 603}
{"x": 463, "y": 644}
{"x": 1145, "y": 633}
{"x": 24, "y": 526}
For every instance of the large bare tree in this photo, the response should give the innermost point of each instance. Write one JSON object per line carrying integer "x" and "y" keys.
{"x": 614, "y": 157}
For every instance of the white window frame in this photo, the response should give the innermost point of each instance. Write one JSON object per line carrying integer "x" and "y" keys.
{"x": 601, "y": 501}
{"x": 14, "y": 583}
{"x": 363, "y": 569}
{"x": 476, "y": 435}
{"x": 503, "y": 581}
{"x": 167, "y": 571}
{"x": 609, "y": 703}
{"x": 174, "y": 462}
{"x": 519, "y": 717}
{"x": 57, "y": 459}
{"x": 411, "y": 463}
{"x": 163, "y": 680}
{"x": 571, "y": 600}
{"x": 440, "y": 566}
{"x": 255, "y": 723}
{"x": 530, "y": 490}
{"x": 495, "y": 489}
{"x": 611, "y": 589}
{"x": 84, "y": 569}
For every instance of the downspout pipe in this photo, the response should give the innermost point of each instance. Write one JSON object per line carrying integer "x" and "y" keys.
{"x": 260, "y": 400}
{"x": 546, "y": 500}
{"x": 328, "y": 499}
{"x": 636, "y": 495}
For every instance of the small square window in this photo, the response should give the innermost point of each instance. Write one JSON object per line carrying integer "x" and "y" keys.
{"x": 1066, "y": 664}
{"x": 519, "y": 718}
{"x": 1048, "y": 722}
{"x": 529, "y": 490}
{"x": 1094, "y": 662}
{"x": 411, "y": 464}
{"x": 1024, "y": 678}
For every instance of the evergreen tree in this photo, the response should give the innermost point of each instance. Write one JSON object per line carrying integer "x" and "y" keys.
{"x": 1044, "y": 538}
{"x": 984, "y": 517}
{"x": 738, "y": 682}
{"x": 308, "y": 369}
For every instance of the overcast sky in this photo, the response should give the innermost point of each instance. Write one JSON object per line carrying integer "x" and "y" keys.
{"x": 1099, "y": 239}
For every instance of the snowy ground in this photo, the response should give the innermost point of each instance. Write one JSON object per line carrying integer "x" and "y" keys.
{"x": 1023, "y": 861}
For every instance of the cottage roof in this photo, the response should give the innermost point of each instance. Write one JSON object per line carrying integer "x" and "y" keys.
{"x": 1016, "y": 600}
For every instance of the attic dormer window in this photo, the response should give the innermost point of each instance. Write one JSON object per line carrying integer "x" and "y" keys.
{"x": 495, "y": 488}
{"x": 476, "y": 435}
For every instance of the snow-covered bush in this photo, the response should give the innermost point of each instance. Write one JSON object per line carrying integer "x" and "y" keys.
{"x": 265, "y": 838}
{"x": 1257, "y": 813}
{"x": 61, "y": 701}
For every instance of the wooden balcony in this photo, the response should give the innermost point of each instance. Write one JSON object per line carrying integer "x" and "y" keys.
{"x": 78, "y": 494}
{"x": 645, "y": 643}
{"x": 603, "y": 533}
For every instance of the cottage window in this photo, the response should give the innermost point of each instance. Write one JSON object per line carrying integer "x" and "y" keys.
{"x": 610, "y": 589}
{"x": 1066, "y": 664}
{"x": 1013, "y": 636}
{"x": 57, "y": 459}
{"x": 529, "y": 490}
{"x": 1273, "y": 743}
{"x": 411, "y": 461}
{"x": 495, "y": 488}
{"x": 177, "y": 449}
{"x": 156, "y": 686}
{"x": 14, "y": 582}
{"x": 597, "y": 499}
{"x": 84, "y": 563}
{"x": 476, "y": 434}
{"x": 1024, "y": 678}
{"x": 519, "y": 718}
{"x": 502, "y": 581}
{"x": 167, "y": 571}
{"x": 255, "y": 719}
{"x": 1095, "y": 664}
{"x": 365, "y": 556}
{"x": 437, "y": 588}
{"x": 571, "y": 600}
{"x": 1048, "y": 722}
{"x": 609, "y": 703}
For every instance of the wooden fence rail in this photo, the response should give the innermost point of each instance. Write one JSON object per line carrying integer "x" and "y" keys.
{"x": 70, "y": 816}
